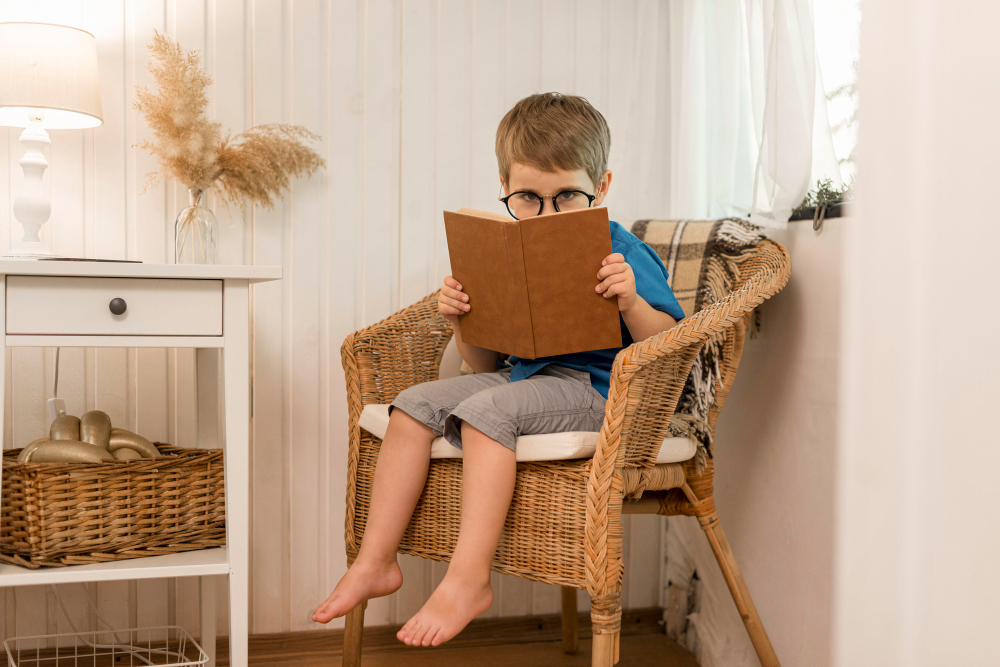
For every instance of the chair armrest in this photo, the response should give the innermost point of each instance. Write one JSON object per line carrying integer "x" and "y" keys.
{"x": 395, "y": 353}
{"x": 646, "y": 383}
{"x": 380, "y": 361}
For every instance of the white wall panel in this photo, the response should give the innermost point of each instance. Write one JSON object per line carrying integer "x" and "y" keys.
{"x": 406, "y": 95}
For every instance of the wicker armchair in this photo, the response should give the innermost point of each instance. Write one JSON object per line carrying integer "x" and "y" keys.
{"x": 564, "y": 526}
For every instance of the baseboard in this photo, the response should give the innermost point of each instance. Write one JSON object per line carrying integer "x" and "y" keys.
{"x": 274, "y": 648}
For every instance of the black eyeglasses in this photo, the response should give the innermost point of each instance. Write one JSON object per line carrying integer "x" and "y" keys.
{"x": 526, "y": 204}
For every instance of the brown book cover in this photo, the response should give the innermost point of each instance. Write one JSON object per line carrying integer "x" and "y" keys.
{"x": 531, "y": 282}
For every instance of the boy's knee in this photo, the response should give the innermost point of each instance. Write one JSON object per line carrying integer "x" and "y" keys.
{"x": 401, "y": 419}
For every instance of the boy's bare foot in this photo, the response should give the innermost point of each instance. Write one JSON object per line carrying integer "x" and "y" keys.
{"x": 362, "y": 582}
{"x": 450, "y": 608}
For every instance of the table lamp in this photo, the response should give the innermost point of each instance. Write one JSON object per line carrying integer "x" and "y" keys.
{"x": 48, "y": 80}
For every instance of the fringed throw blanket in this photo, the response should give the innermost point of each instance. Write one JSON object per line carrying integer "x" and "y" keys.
{"x": 703, "y": 258}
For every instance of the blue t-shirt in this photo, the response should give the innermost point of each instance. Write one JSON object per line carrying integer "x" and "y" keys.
{"x": 650, "y": 283}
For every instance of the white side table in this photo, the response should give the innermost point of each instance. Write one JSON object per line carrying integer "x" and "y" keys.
{"x": 67, "y": 304}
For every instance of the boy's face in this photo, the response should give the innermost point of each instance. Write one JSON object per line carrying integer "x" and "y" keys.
{"x": 527, "y": 178}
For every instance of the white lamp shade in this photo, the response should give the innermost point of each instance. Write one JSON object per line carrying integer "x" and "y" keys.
{"x": 48, "y": 71}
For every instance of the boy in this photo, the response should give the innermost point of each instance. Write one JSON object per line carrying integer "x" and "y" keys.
{"x": 552, "y": 152}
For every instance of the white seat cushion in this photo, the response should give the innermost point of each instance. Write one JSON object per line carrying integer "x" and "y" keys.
{"x": 545, "y": 447}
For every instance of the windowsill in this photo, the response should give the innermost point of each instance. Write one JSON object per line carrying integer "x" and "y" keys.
{"x": 834, "y": 211}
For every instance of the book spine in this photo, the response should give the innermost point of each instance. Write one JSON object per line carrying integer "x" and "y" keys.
{"x": 520, "y": 315}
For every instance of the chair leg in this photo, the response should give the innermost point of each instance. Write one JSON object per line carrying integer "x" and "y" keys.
{"x": 570, "y": 621}
{"x": 605, "y": 617}
{"x": 618, "y": 636}
{"x": 354, "y": 628}
{"x": 603, "y": 651}
{"x": 741, "y": 595}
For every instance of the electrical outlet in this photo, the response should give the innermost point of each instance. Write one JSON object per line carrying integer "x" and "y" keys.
{"x": 57, "y": 408}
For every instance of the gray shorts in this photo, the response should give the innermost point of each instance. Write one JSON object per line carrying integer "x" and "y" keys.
{"x": 553, "y": 400}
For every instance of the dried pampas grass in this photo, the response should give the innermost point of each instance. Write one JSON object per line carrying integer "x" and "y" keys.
{"x": 252, "y": 167}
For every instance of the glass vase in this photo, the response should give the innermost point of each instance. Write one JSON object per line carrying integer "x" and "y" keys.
{"x": 194, "y": 231}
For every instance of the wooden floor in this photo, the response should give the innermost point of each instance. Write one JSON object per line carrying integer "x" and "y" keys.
{"x": 524, "y": 642}
{"x": 635, "y": 650}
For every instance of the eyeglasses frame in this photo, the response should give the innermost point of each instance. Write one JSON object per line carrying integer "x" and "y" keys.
{"x": 542, "y": 198}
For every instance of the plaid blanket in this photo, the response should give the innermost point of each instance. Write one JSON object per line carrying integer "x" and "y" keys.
{"x": 703, "y": 258}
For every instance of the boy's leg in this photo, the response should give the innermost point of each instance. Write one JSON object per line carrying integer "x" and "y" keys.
{"x": 488, "y": 473}
{"x": 486, "y": 426}
{"x": 400, "y": 474}
{"x": 399, "y": 478}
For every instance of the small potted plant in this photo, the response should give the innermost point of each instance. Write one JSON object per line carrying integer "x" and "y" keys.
{"x": 249, "y": 168}
{"x": 826, "y": 200}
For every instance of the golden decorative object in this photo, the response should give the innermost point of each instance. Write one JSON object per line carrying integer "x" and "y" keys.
{"x": 95, "y": 428}
{"x": 65, "y": 427}
{"x": 87, "y": 439}
{"x": 26, "y": 452}
{"x": 120, "y": 438}
{"x": 126, "y": 454}
{"x": 68, "y": 451}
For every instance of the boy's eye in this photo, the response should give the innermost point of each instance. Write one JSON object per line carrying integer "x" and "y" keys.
{"x": 528, "y": 196}
{"x": 567, "y": 195}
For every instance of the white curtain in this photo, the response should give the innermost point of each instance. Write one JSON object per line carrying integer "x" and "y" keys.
{"x": 749, "y": 128}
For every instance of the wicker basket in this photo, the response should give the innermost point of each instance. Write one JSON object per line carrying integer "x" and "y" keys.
{"x": 56, "y": 514}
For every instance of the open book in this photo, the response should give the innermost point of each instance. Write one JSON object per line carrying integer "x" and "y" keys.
{"x": 531, "y": 282}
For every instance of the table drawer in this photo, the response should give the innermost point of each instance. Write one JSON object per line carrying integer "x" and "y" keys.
{"x": 44, "y": 305}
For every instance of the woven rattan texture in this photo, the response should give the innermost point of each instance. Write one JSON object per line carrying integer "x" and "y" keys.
{"x": 564, "y": 526}
{"x": 56, "y": 514}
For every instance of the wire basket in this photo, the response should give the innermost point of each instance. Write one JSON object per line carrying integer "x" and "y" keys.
{"x": 136, "y": 647}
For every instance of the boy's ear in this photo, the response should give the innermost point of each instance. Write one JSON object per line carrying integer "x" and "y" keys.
{"x": 504, "y": 186}
{"x": 603, "y": 187}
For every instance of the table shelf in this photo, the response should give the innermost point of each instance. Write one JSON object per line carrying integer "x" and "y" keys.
{"x": 203, "y": 562}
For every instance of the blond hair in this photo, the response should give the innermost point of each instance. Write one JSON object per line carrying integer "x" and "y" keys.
{"x": 552, "y": 131}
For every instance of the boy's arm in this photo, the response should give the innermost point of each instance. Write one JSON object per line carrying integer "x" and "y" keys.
{"x": 644, "y": 321}
{"x": 452, "y": 302}
{"x": 643, "y": 271}
{"x": 481, "y": 359}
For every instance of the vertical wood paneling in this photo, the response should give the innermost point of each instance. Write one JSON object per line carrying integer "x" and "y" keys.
{"x": 269, "y": 560}
{"x": 343, "y": 130}
{"x": 308, "y": 213}
{"x": 407, "y": 96}
{"x": 487, "y": 97}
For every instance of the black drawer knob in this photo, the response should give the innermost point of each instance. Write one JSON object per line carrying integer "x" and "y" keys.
{"x": 117, "y": 306}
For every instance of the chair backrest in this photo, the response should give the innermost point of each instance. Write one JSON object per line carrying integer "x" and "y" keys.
{"x": 702, "y": 257}
{"x": 704, "y": 260}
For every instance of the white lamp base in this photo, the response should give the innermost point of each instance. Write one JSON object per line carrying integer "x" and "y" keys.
{"x": 32, "y": 206}
{"x": 28, "y": 250}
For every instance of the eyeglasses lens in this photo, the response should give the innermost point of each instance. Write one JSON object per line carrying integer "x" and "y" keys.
{"x": 523, "y": 205}
{"x": 571, "y": 201}
{"x": 526, "y": 205}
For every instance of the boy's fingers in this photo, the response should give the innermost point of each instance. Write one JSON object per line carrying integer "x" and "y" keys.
{"x": 612, "y": 269}
{"x": 454, "y": 304}
{"x": 605, "y": 284}
{"x": 451, "y": 282}
{"x": 614, "y": 257}
{"x": 454, "y": 294}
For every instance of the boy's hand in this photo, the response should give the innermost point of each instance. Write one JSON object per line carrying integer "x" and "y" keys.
{"x": 617, "y": 280}
{"x": 452, "y": 301}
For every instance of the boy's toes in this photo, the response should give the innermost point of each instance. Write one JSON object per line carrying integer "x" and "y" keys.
{"x": 406, "y": 632}
{"x": 327, "y": 611}
{"x": 417, "y": 634}
{"x": 431, "y": 633}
